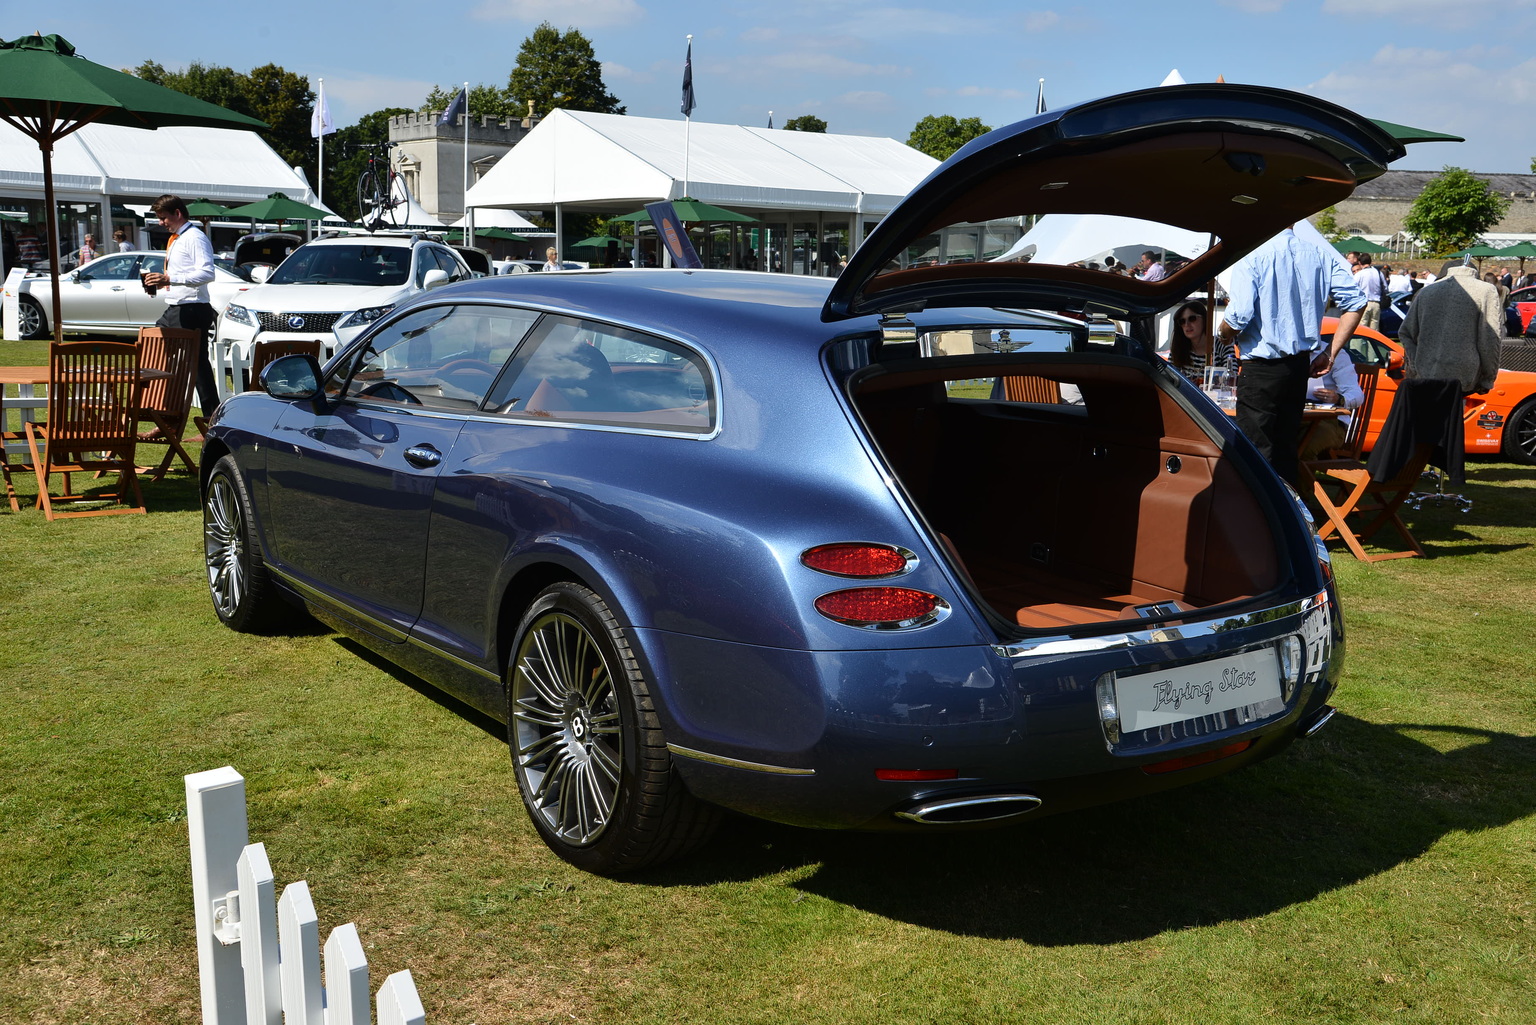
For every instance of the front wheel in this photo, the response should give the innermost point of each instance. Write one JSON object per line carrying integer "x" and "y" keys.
{"x": 587, "y": 748}
{"x": 32, "y": 323}
{"x": 237, "y": 577}
{"x": 1520, "y": 433}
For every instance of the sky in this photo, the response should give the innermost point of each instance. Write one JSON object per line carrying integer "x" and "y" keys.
{"x": 873, "y": 68}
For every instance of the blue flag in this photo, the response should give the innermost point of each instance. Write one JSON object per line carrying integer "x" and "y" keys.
{"x": 451, "y": 115}
{"x": 688, "y": 83}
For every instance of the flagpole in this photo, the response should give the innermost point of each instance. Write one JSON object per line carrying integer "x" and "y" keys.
{"x": 469, "y": 221}
{"x": 688, "y": 120}
{"x": 320, "y": 185}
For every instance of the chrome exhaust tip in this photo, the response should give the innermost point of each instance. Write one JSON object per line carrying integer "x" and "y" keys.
{"x": 954, "y": 811}
{"x": 1318, "y": 721}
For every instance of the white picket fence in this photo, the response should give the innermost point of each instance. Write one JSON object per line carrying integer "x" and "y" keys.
{"x": 258, "y": 955}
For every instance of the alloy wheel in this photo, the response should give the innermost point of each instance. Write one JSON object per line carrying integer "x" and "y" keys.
{"x": 224, "y": 546}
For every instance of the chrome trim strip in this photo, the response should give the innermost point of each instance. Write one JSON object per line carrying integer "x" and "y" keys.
{"x": 1160, "y": 634}
{"x": 1322, "y": 720}
{"x": 919, "y": 813}
{"x": 737, "y": 763}
{"x": 314, "y": 594}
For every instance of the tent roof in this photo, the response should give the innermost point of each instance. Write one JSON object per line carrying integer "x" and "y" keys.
{"x": 611, "y": 161}
{"x": 226, "y": 165}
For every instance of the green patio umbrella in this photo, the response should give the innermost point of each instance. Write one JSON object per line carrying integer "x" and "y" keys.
{"x": 1356, "y": 244}
{"x": 278, "y": 207}
{"x": 597, "y": 242}
{"x": 1521, "y": 251}
{"x": 206, "y": 208}
{"x": 693, "y": 210}
{"x": 457, "y": 235}
{"x": 47, "y": 91}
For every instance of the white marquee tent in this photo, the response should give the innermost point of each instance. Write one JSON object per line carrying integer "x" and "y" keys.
{"x": 224, "y": 165}
{"x": 609, "y": 163}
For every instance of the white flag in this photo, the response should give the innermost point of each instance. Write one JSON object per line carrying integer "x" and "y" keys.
{"x": 320, "y": 122}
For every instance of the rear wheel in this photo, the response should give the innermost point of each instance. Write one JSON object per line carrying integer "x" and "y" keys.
{"x": 32, "y": 323}
{"x": 587, "y": 749}
{"x": 237, "y": 577}
{"x": 1520, "y": 433}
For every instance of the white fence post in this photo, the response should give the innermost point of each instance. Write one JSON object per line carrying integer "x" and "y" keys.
{"x": 346, "y": 978}
{"x": 398, "y": 1002}
{"x": 216, "y": 831}
{"x": 258, "y": 937}
{"x": 242, "y": 930}
{"x": 298, "y": 937}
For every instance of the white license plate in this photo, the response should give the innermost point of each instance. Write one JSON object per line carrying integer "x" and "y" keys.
{"x": 1148, "y": 700}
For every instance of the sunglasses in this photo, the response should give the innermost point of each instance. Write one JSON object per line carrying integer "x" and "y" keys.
{"x": 1191, "y": 319}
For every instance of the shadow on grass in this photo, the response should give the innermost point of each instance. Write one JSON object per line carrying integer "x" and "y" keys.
{"x": 1348, "y": 804}
{"x": 469, "y": 713}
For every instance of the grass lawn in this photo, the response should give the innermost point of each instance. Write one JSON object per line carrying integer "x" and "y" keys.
{"x": 1384, "y": 871}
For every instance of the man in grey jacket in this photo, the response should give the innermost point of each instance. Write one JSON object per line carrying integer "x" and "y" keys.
{"x": 1453, "y": 331}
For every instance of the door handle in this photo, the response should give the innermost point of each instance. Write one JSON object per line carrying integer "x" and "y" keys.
{"x": 117, "y": 288}
{"x": 423, "y": 456}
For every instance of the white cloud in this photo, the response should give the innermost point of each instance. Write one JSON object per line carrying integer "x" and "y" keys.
{"x": 367, "y": 93}
{"x": 1041, "y": 21}
{"x": 821, "y": 64}
{"x": 585, "y": 14}
{"x": 1446, "y": 91}
{"x": 989, "y": 91}
{"x": 760, "y": 35}
{"x": 866, "y": 99}
{"x": 1449, "y": 15}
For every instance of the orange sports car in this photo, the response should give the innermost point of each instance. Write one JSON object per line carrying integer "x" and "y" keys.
{"x": 1501, "y": 420}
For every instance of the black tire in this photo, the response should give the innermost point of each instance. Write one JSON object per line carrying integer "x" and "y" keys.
{"x": 1520, "y": 434}
{"x": 587, "y": 748}
{"x": 242, "y": 591}
{"x": 33, "y": 322}
{"x": 367, "y": 196}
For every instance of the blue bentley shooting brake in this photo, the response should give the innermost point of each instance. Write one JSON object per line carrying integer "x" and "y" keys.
{"x": 938, "y": 544}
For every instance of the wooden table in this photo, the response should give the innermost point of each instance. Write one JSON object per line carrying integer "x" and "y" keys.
{"x": 31, "y": 398}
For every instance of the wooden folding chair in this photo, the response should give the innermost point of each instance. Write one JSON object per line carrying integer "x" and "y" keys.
{"x": 263, "y": 353}
{"x": 93, "y": 397}
{"x": 1358, "y": 499}
{"x": 1348, "y": 453}
{"x": 167, "y": 402}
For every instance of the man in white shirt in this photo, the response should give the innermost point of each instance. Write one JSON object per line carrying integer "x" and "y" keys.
{"x": 188, "y": 269}
{"x": 1339, "y": 386}
{"x": 1149, "y": 268}
{"x": 1369, "y": 280}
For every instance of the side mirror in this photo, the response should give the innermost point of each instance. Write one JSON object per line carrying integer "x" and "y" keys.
{"x": 434, "y": 278}
{"x": 260, "y": 273}
{"x": 78, "y": 277}
{"x": 292, "y": 377}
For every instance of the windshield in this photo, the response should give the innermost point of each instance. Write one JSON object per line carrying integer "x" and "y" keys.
{"x": 360, "y": 264}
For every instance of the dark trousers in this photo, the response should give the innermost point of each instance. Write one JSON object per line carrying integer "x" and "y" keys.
{"x": 197, "y": 317}
{"x": 1270, "y": 397}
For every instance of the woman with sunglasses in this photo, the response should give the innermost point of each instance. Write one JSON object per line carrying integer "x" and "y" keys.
{"x": 1192, "y": 344}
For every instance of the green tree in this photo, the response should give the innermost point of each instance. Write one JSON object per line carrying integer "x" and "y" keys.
{"x": 1328, "y": 225}
{"x": 346, "y": 157}
{"x": 939, "y": 136}
{"x": 484, "y": 101}
{"x": 281, "y": 98}
{"x": 805, "y": 123}
{"x": 1454, "y": 208}
{"x": 555, "y": 70}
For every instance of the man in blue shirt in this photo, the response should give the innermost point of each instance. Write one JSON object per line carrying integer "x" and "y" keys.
{"x": 1279, "y": 293}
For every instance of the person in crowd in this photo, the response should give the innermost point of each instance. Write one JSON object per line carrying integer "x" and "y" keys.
{"x": 1278, "y": 295}
{"x": 551, "y": 259}
{"x": 1150, "y": 268}
{"x": 121, "y": 238}
{"x": 1369, "y": 280}
{"x": 188, "y": 269}
{"x": 1397, "y": 281}
{"x": 1506, "y": 280}
{"x": 1339, "y": 386}
{"x": 1453, "y": 331}
{"x": 9, "y": 251}
{"x": 1492, "y": 278}
{"x": 87, "y": 251}
{"x": 29, "y": 244}
{"x": 1192, "y": 345}
{"x": 1415, "y": 282}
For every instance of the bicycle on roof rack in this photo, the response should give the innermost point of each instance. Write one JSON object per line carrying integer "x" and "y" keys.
{"x": 381, "y": 195}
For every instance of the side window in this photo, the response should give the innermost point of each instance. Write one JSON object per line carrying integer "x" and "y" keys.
{"x": 446, "y": 261}
{"x": 583, "y": 371}
{"x": 443, "y": 357}
{"x": 114, "y": 268}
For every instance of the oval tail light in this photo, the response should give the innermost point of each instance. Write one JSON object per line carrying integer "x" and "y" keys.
{"x": 883, "y": 608}
{"x": 858, "y": 559}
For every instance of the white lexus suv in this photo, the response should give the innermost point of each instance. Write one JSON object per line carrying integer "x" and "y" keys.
{"x": 331, "y": 288}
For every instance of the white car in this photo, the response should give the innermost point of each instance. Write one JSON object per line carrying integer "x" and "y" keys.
{"x": 330, "y": 289}
{"x": 104, "y": 297}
